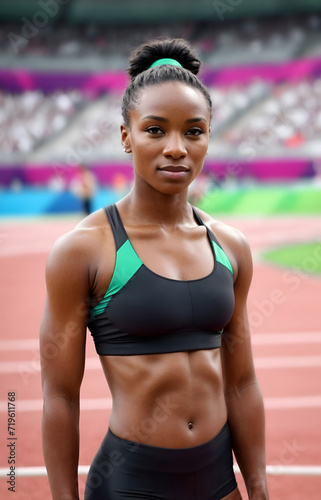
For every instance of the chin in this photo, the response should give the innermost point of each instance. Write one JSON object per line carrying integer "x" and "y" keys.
{"x": 173, "y": 190}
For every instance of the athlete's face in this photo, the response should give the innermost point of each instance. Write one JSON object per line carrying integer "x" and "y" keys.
{"x": 168, "y": 136}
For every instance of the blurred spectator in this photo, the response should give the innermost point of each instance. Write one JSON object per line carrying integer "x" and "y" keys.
{"x": 27, "y": 119}
{"x": 84, "y": 186}
{"x": 254, "y": 117}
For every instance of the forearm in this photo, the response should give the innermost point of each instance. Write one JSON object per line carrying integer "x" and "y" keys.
{"x": 247, "y": 423}
{"x": 61, "y": 447}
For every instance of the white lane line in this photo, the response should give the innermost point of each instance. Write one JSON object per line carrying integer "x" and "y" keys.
{"x": 286, "y": 338}
{"x": 257, "y": 339}
{"x": 26, "y": 237}
{"x": 28, "y": 405}
{"x": 277, "y": 470}
{"x": 292, "y": 402}
{"x": 88, "y": 404}
{"x": 269, "y": 363}
{"x": 25, "y": 367}
{"x": 13, "y": 250}
{"x": 19, "y": 345}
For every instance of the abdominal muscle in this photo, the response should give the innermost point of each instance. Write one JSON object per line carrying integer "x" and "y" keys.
{"x": 172, "y": 400}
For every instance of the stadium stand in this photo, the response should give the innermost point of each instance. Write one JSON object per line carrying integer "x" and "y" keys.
{"x": 61, "y": 89}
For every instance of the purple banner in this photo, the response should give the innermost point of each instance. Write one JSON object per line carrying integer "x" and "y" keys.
{"x": 265, "y": 170}
{"x": 44, "y": 175}
{"x": 119, "y": 174}
{"x": 94, "y": 84}
{"x": 273, "y": 72}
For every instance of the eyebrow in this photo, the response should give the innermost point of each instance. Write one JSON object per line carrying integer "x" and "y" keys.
{"x": 165, "y": 120}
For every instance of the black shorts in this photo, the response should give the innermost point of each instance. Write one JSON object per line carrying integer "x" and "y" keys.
{"x": 124, "y": 469}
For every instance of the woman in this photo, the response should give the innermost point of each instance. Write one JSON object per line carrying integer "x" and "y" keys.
{"x": 163, "y": 288}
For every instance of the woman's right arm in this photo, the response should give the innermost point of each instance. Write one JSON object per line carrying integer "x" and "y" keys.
{"x": 62, "y": 354}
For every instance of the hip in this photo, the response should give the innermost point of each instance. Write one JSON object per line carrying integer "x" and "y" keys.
{"x": 123, "y": 468}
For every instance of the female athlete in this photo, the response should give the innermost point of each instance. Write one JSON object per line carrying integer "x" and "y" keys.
{"x": 162, "y": 286}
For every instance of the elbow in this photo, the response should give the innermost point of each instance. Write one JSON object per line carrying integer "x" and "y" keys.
{"x": 60, "y": 403}
{"x": 240, "y": 390}
{"x": 64, "y": 398}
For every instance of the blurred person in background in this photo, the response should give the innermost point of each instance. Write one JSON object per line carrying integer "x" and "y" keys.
{"x": 163, "y": 288}
{"x": 84, "y": 185}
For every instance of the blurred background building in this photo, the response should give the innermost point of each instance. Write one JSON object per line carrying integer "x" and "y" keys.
{"x": 63, "y": 71}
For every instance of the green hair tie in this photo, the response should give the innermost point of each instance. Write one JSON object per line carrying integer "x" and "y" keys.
{"x": 166, "y": 60}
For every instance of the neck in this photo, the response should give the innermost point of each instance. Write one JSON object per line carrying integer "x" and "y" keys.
{"x": 157, "y": 208}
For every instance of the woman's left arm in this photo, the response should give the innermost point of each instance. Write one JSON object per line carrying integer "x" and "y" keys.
{"x": 242, "y": 392}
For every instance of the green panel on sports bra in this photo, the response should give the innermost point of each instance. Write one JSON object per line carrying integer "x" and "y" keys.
{"x": 221, "y": 256}
{"x": 127, "y": 264}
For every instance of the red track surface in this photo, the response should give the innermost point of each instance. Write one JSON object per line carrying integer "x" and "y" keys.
{"x": 288, "y": 366}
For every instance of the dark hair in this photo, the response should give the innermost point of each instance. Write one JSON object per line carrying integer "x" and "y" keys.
{"x": 142, "y": 75}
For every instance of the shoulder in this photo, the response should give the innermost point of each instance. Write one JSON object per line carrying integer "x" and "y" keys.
{"x": 77, "y": 252}
{"x": 234, "y": 243}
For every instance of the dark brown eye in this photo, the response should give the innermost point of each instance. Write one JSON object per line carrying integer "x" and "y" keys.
{"x": 195, "y": 131}
{"x": 154, "y": 130}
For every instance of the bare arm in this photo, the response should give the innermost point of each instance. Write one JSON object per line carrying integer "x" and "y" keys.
{"x": 242, "y": 393}
{"x": 62, "y": 352}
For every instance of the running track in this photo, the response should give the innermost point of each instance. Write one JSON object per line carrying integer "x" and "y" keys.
{"x": 284, "y": 311}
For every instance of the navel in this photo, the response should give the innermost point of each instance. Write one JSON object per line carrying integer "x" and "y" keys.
{"x": 190, "y": 425}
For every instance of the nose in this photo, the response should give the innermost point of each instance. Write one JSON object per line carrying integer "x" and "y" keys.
{"x": 174, "y": 147}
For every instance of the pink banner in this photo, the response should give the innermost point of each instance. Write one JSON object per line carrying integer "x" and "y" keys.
{"x": 273, "y": 72}
{"x": 94, "y": 84}
{"x": 276, "y": 170}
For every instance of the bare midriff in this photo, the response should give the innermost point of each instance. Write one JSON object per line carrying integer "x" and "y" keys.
{"x": 172, "y": 400}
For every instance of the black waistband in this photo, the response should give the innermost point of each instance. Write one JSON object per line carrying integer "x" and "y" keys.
{"x": 168, "y": 459}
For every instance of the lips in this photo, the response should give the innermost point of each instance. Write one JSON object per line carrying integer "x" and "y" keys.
{"x": 173, "y": 168}
{"x": 173, "y": 172}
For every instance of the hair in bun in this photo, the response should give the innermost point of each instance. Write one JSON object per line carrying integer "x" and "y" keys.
{"x": 142, "y": 75}
{"x": 178, "y": 48}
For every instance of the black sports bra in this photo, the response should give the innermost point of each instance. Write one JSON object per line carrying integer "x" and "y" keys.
{"x": 145, "y": 313}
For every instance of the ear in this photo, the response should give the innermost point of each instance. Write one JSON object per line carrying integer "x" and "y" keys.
{"x": 125, "y": 138}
